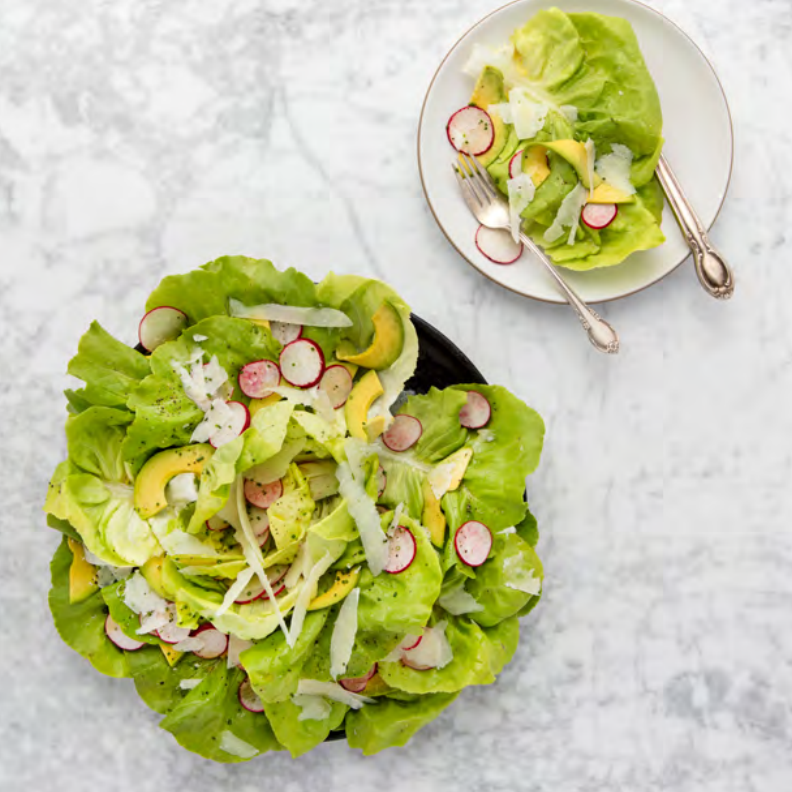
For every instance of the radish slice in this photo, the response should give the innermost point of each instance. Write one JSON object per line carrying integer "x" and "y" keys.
{"x": 599, "y": 216}
{"x": 515, "y": 164}
{"x": 217, "y": 524}
{"x": 119, "y": 638}
{"x": 401, "y": 551}
{"x": 257, "y": 379}
{"x": 382, "y": 481}
{"x": 498, "y": 245}
{"x": 336, "y": 382}
{"x": 302, "y": 363}
{"x": 285, "y": 332}
{"x": 410, "y": 642}
{"x": 248, "y": 697}
{"x": 476, "y": 413}
{"x": 215, "y": 643}
{"x": 403, "y": 433}
{"x": 171, "y": 632}
{"x": 358, "y": 684}
{"x": 473, "y": 542}
{"x": 237, "y": 422}
{"x": 263, "y": 495}
{"x": 255, "y": 590}
{"x": 470, "y": 130}
{"x": 160, "y": 325}
{"x": 259, "y": 521}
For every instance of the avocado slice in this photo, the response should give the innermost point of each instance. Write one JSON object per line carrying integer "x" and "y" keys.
{"x": 82, "y": 575}
{"x": 171, "y": 655}
{"x": 343, "y": 585}
{"x": 459, "y": 459}
{"x": 433, "y": 518}
{"x": 534, "y": 163}
{"x": 375, "y": 427}
{"x": 605, "y": 194}
{"x": 152, "y": 572}
{"x": 490, "y": 90}
{"x": 160, "y": 469}
{"x": 386, "y": 345}
{"x": 574, "y": 152}
{"x": 360, "y": 400}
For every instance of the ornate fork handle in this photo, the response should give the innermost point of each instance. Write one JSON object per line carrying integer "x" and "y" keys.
{"x": 600, "y": 333}
{"x": 713, "y": 272}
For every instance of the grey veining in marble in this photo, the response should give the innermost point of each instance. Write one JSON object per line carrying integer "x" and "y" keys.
{"x": 143, "y": 137}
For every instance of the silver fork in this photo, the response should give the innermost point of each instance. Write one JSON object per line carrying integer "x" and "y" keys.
{"x": 491, "y": 209}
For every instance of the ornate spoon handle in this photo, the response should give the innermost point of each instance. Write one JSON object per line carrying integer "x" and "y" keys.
{"x": 712, "y": 270}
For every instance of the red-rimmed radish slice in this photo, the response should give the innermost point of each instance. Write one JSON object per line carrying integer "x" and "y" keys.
{"x": 254, "y": 590}
{"x": 259, "y": 522}
{"x": 473, "y": 542}
{"x": 257, "y": 379}
{"x": 263, "y": 495}
{"x": 237, "y": 422}
{"x": 498, "y": 245}
{"x": 470, "y": 130}
{"x": 171, "y": 632}
{"x": 119, "y": 637}
{"x": 476, "y": 413}
{"x": 403, "y": 433}
{"x": 382, "y": 481}
{"x": 416, "y": 666}
{"x": 401, "y": 551}
{"x": 248, "y": 697}
{"x": 515, "y": 164}
{"x": 411, "y": 642}
{"x": 285, "y": 332}
{"x": 160, "y": 325}
{"x": 215, "y": 643}
{"x": 302, "y": 363}
{"x": 358, "y": 684}
{"x": 336, "y": 382}
{"x": 599, "y": 216}
{"x": 217, "y": 524}
{"x": 276, "y": 573}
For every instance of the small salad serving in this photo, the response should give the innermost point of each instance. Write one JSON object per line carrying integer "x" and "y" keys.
{"x": 567, "y": 121}
{"x": 272, "y": 539}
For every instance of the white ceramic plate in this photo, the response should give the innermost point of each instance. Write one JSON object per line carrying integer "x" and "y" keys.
{"x": 696, "y": 125}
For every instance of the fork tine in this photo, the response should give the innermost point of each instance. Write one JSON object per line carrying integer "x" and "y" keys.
{"x": 471, "y": 199}
{"x": 473, "y": 183}
{"x": 484, "y": 179}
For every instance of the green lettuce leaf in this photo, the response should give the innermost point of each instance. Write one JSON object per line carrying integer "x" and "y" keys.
{"x": 92, "y": 490}
{"x": 504, "y": 453}
{"x": 404, "y": 484}
{"x": 158, "y": 683}
{"x": 401, "y": 603}
{"x": 479, "y": 655}
{"x": 511, "y": 560}
{"x": 392, "y": 722}
{"x": 164, "y": 416}
{"x": 438, "y": 412}
{"x": 200, "y": 719}
{"x": 109, "y": 369}
{"x": 300, "y": 736}
{"x": 81, "y": 624}
{"x": 274, "y": 667}
{"x": 124, "y": 617}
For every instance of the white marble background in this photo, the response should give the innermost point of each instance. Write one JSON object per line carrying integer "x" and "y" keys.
{"x": 140, "y": 137}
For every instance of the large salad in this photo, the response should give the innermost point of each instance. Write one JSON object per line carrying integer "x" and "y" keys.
{"x": 566, "y": 119}
{"x": 272, "y": 539}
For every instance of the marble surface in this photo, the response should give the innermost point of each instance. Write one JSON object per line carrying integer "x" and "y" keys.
{"x": 139, "y": 138}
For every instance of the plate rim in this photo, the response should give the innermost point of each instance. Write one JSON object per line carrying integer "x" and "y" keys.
{"x": 562, "y": 301}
